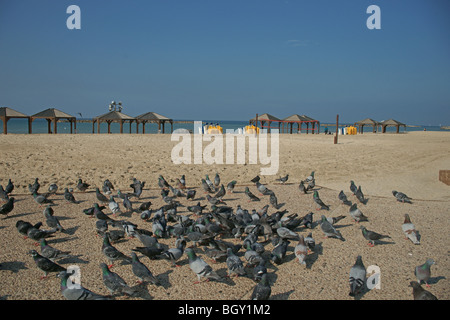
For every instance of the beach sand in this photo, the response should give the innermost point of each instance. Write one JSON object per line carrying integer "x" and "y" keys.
{"x": 380, "y": 163}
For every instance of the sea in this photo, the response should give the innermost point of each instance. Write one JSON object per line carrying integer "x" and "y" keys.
{"x": 20, "y": 126}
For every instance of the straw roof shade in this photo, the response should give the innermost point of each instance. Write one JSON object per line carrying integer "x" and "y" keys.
{"x": 8, "y": 113}
{"x": 52, "y": 114}
{"x": 153, "y": 117}
{"x": 300, "y": 119}
{"x": 391, "y": 122}
{"x": 265, "y": 118}
{"x": 112, "y": 116}
{"x": 369, "y": 122}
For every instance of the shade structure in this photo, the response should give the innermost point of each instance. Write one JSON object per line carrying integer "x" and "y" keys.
{"x": 52, "y": 114}
{"x": 299, "y": 120}
{"x": 110, "y": 117}
{"x": 267, "y": 120}
{"x": 153, "y": 117}
{"x": 367, "y": 122}
{"x": 391, "y": 122}
{"x": 8, "y": 113}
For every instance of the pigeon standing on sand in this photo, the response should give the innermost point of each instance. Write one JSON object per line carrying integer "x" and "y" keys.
{"x": 74, "y": 291}
{"x": 328, "y": 229}
{"x": 217, "y": 180}
{"x": 230, "y": 186}
{"x": 100, "y": 196}
{"x": 9, "y": 187}
{"x": 35, "y": 186}
{"x": 206, "y": 187}
{"x": 69, "y": 196}
{"x": 174, "y": 254}
{"x": 99, "y": 214}
{"x": 319, "y": 201}
{"x": 262, "y": 290}
{"x": 45, "y": 264}
{"x": 41, "y": 199}
{"x": 7, "y": 207}
{"x": 3, "y": 195}
{"x": 357, "y": 277}
{"x": 310, "y": 242}
{"x": 372, "y": 236}
{"x": 113, "y": 206}
{"x": 284, "y": 179}
{"x": 401, "y": 197}
{"x": 301, "y": 250}
{"x": 113, "y": 282}
{"x": 420, "y": 293}
{"x": 53, "y": 188}
{"x": 353, "y": 187}
{"x": 82, "y": 186}
{"x": 302, "y": 187}
{"x": 356, "y": 214}
{"x": 343, "y": 198}
{"x": 259, "y": 270}
{"x": 256, "y": 179}
{"x": 279, "y": 251}
{"x": 190, "y": 194}
{"x": 234, "y": 264}
{"x": 200, "y": 267}
{"x": 360, "y": 196}
{"x": 51, "y": 220}
{"x": 111, "y": 252}
{"x": 51, "y": 253}
{"x": 423, "y": 272}
{"x": 127, "y": 204}
{"x": 409, "y": 230}
{"x": 250, "y": 195}
{"x": 310, "y": 177}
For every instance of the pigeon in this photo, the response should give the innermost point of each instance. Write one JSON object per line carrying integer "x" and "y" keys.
{"x": 200, "y": 267}
{"x": 343, "y": 198}
{"x": 51, "y": 220}
{"x": 423, "y": 272}
{"x": 251, "y": 256}
{"x": 302, "y": 187}
{"x": 9, "y": 187}
{"x": 329, "y": 230}
{"x": 214, "y": 200}
{"x": 82, "y": 186}
{"x": 360, "y": 196}
{"x": 274, "y": 201}
{"x": 319, "y": 201}
{"x": 301, "y": 250}
{"x": 263, "y": 190}
{"x": 113, "y": 282}
{"x": 221, "y": 193}
{"x": 310, "y": 177}
{"x": 210, "y": 183}
{"x": 190, "y": 194}
{"x": 259, "y": 270}
{"x": 372, "y": 236}
{"x": 234, "y": 264}
{"x": 174, "y": 254}
{"x": 101, "y": 226}
{"x": 74, "y": 291}
{"x": 334, "y": 220}
{"x": 41, "y": 199}
{"x": 286, "y": 233}
{"x": 53, "y": 188}
{"x": 38, "y": 234}
{"x": 113, "y": 206}
{"x": 353, "y": 187}
{"x": 3, "y": 195}
{"x": 108, "y": 184}
{"x": 138, "y": 187}
{"x": 311, "y": 185}
{"x": 162, "y": 183}
{"x": 283, "y": 180}
{"x": 279, "y": 251}
{"x": 99, "y": 214}
{"x": 250, "y": 195}
{"x": 150, "y": 252}
{"x": 127, "y": 204}
{"x": 310, "y": 242}
{"x": 35, "y": 186}
{"x": 409, "y": 230}
{"x": 45, "y": 264}
{"x": 100, "y": 196}
{"x": 197, "y": 209}
{"x": 256, "y": 179}
{"x": 111, "y": 252}
{"x": 217, "y": 180}
{"x": 206, "y": 187}
{"x": 420, "y": 293}
{"x": 183, "y": 180}
{"x": 144, "y": 206}
{"x": 356, "y": 214}
{"x": 231, "y": 185}
{"x": 51, "y": 253}
{"x": 401, "y": 197}
{"x": 24, "y": 226}
{"x": 262, "y": 290}
{"x": 357, "y": 277}
{"x": 307, "y": 220}
{"x": 6, "y": 208}
{"x": 69, "y": 196}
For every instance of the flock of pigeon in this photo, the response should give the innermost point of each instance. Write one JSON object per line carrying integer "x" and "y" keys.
{"x": 207, "y": 227}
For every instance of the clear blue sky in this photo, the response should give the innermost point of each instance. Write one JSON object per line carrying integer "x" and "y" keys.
{"x": 229, "y": 59}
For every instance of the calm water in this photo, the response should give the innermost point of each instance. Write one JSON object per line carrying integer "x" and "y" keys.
{"x": 40, "y": 126}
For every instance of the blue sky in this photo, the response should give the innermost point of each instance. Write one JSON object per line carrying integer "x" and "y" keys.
{"x": 229, "y": 59}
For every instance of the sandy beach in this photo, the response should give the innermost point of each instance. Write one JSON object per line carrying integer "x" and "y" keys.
{"x": 379, "y": 163}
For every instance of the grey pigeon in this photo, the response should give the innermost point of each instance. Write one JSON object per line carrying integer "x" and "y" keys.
{"x": 221, "y": 193}
{"x": 310, "y": 242}
{"x": 51, "y": 220}
{"x": 174, "y": 254}
{"x": 360, "y": 196}
{"x": 82, "y": 186}
{"x": 23, "y": 227}
{"x": 420, "y": 293}
{"x": 310, "y": 177}
{"x": 99, "y": 214}
{"x": 45, "y": 264}
{"x": 317, "y": 200}
{"x": 343, "y": 198}
{"x": 41, "y": 199}
{"x": 256, "y": 179}
{"x": 279, "y": 251}
{"x": 262, "y": 290}
{"x": 206, "y": 187}
{"x": 6, "y": 208}
{"x": 263, "y": 190}
{"x": 250, "y": 195}
{"x": 234, "y": 264}
{"x": 307, "y": 220}
{"x": 200, "y": 267}
{"x": 69, "y": 196}
{"x": 74, "y": 291}
{"x": 252, "y": 256}
{"x": 38, "y": 234}
{"x": 210, "y": 184}
{"x": 353, "y": 187}
{"x": 190, "y": 194}
{"x": 217, "y": 180}
{"x": 259, "y": 270}
{"x": 301, "y": 250}
{"x": 357, "y": 277}
{"x": 409, "y": 230}
{"x": 356, "y": 214}
{"x": 286, "y": 233}
{"x": 52, "y": 253}
{"x": 53, "y": 188}
{"x": 334, "y": 220}
{"x": 231, "y": 185}
{"x": 9, "y": 187}
{"x": 113, "y": 206}
{"x": 100, "y": 196}
{"x": 127, "y": 204}
{"x": 35, "y": 186}
{"x": 284, "y": 179}
{"x": 150, "y": 252}
{"x": 423, "y": 272}
{"x": 3, "y": 195}
{"x": 113, "y": 282}
{"x": 329, "y": 230}
{"x": 302, "y": 187}
{"x": 372, "y": 236}
{"x": 111, "y": 252}
{"x": 401, "y": 197}
{"x": 273, "y": 200}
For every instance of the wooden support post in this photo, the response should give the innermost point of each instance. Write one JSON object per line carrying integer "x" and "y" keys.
{"x": 337, "y": 130}
{"x": 30, "y": 121}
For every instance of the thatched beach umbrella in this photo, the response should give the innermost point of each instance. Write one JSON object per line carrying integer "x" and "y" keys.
{"x": 369, "y": 122}
{"x": 391, "y": 122}
{"x": 55, "y": 115}
{"x": 110, "y": 117}
{"x": 153, "y": 117}
{"x": 8, "y": 113}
